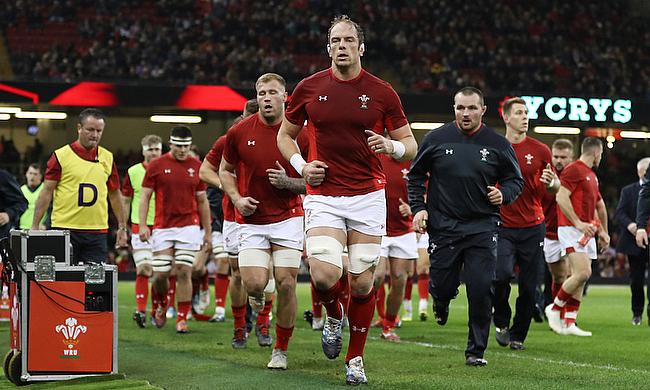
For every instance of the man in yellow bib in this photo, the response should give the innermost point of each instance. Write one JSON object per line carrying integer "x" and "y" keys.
{"x": 82, "y": 177}
{"x": 31, "y": 189}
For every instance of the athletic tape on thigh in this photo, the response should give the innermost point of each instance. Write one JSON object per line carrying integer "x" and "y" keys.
{"x": 254, "y": 258}
{"x": 185, "y": 257}
{"x": 270, "y": 287}
{"x": 219, "y": 252}
{"x": 142, "y": 256}
{"x": 289, "y": 258}
{"x": 162, "y": 263}
{"x": 325, "y": 248}
{"x": 363, "y": 256}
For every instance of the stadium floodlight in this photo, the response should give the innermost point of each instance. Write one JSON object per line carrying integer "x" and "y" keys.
{"x": 41, "y": 115}
{"x": 176, "y": 118}
{"x": 5, "y": 117}
{"x": 556, "y": 130}
{"x": 635, "y": 134}
{"x": 425, "y": 125}
{"x": 9, "y": 110}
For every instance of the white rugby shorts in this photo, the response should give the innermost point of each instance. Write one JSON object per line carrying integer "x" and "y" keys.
{"x": 400, "y": 247}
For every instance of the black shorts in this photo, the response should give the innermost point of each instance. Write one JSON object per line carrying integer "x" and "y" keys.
{"x": 89, "y": 247}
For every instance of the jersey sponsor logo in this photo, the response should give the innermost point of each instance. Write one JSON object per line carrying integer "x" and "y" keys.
{"x": 322, "y": 98}
{"x": 81, "y": 202}
{"x": 484, "y": 153}
{"x": 191, "y": 171}
{"x": 449, "y": 151}
{"x": 364, "y": 101}
{"x": 251, "y": 142}
{"x": 529, "y": 159}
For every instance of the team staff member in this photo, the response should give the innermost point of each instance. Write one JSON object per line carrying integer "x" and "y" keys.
{"x": 472, "y": 171}
{"x": 577, "y": 199}
{"x": 345, "y": 204}
{"x": 637, "y": 257}
{"x": 142, "y": 251}
{"x": 81, "y": 176}
{"x": 31, "y": 190}
{"x": 12, "y": 203}
{"x": 521, "y": 237}
{"x": 181, "y": 204}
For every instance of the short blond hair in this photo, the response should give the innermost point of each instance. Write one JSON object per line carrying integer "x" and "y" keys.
{"x": 151, "y": 139}
{"x": 266, "y": 77}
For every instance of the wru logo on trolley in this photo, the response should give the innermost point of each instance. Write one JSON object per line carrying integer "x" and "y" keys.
{"x": 70, "y": 332}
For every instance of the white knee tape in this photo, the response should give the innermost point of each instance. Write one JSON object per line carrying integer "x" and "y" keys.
{"x": 289, "y": 258}
{"x": 325, "y": 248}
{"x": 254, "y": 258}
{"x": 185, "y": 257}
{"x": 162, "y": 263}
{"x": 219, "y": 252}
{"x": 363, "y": 256}
{"x": 142, "y": 256}
{"x": 270, "y": 287}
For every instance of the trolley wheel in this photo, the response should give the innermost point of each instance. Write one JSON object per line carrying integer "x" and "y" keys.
{"x": 5, "y": 365}
{"x": 15, "y": 369}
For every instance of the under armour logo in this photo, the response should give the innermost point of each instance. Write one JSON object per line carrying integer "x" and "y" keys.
{"x": 251, "y": 142}
{"x": 167, "y": 171}
{"x": 432, "y": 247}
{"x": 364, "y": 101}
{"x": 322, "y": 98}
{"x": 405, "y": 172}
{"x": 588, "y": 178}
{"x": 449, "y": 151}
{"x": 541, "y": 243}
{"x": 529, "y": 159}
{"x": 357, "y": 329}
{"x": 484, "y": 153}
{"x": 191, "y": 171}
{"x": 494, "y": 238}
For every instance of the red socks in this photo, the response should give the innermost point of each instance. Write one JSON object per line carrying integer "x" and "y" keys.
{"x": 344, "y": 297}
{"x": 381, "y": 301}
{"x": 408, "y": 289}
{"x": 183, "y": 311}
{"x": 555, "y": 288}
{"x": 330, "y": 299}
{"x": 571, "y": 311}
{"x": 263, "y": 315}
{"x": 221, "y": 283}
{"x": 171, "y": 291}
{"x": 282, "y": 336}
{"x": 316, "y": 306}
{"x": 239, "y": 315}
{"x": 141, "y": 292}
{"x": 423, "y": 286}
{"x": 362, "y": 309}
{"x": 389, "y": 322}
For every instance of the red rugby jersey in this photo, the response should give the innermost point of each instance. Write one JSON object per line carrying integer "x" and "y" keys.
{"x": 582, "y": 182}
{"x": 214, "y": 158}
{"x": 251, "y": 146}
{"x": 396, "y": 172}
{"x": 175, "y": 184}
{"x": 340, "y": 112}
{"x": 526, "y": 211}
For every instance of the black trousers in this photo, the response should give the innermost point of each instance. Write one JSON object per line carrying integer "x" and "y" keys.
{"x": 477, "y": 253}
{"x": 638, "y": 266}
{"x": 523, "y": 247}
{"x": 89, "y": 247}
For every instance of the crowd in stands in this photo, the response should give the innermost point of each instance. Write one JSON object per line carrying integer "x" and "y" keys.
{"x": 502, "y": 46}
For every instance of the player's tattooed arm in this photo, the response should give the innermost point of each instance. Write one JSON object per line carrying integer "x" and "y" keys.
{"x": 279, "y": 179}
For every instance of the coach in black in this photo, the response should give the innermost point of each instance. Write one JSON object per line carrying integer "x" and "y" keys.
{"x": 471, "y": 171}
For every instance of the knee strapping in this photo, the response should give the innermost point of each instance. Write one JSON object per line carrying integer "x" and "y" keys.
{"x": 325, "y": 248}
{"x": 363, "y": 256}
{"x": 162, "y": 263}
{"x": 270, "y": 287}
{"x": 142, "y": 256}
{"x": 185, "y": 257}
{"x": 254, "y": 258}
{"x": 289, "y": 258}
{"x": 219, "y": 252}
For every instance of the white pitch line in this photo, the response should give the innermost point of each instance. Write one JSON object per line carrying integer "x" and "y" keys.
{"x": 535, "y": 359}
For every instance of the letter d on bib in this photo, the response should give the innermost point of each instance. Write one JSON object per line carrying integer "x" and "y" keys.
{"x": 81, "y": 202}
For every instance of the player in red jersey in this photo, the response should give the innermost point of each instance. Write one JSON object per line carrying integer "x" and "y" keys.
{"x": 142, "y": 251}
{"x": 577, "y": 199}
{"x": 268, "y": 207}
{"x": 345, "y": 203}
{"x": 561, "y": 156}
{"x": 181, "y": 204}
{"x": 521, "y": 235}
{"x": 399, "y": 245}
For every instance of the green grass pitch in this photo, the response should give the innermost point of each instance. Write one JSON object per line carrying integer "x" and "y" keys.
{"x": 429, "y": 356}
